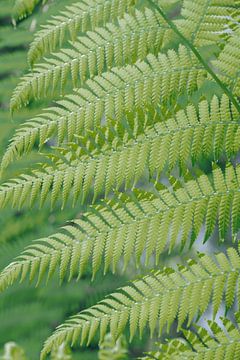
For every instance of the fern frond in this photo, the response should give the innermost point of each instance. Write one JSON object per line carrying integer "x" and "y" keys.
{"x": 119, "y": 162}
{"x": 155, "y": 301}
{"x": 228, "y": 63}
{"x": 112, "y": 94}
{"x": 206, "y": 21}
{"x": 76, "y": 18}
{"x": 99, "y": 51}
{"x": 154, "y": 225}
{"x": 222, "y": 343}
{"x": 157, "y": 77}
{"x": 23, "y": 8}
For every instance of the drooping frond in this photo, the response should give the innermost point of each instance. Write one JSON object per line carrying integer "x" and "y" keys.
{"x": 223, "y": 343}
{"x": 76, "y": 18}
{"x": 113, "y": 162}
{"x": 206, "y": 21}
{"x": 23, "y": 8}
{"x": 95, "y": 53}
{"x": 156, "y": 301}
{"x": 121, "y": 229}
{"x": 228, "y": 63}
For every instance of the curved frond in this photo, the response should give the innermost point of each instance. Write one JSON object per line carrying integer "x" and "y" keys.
{"x": 98, "y": 51}
{"x": 109, "y": 232}
{"x": 111, "y": 95}
{"x": 155, "y": 301}
{"x": 228, "y": 63}
{"x": 76, "y": 18}
{"x": 206, "y": 21}
{"x": 156, "y": 77}
{"x": 222, "y": 343}
{"x": 116, "y": 162}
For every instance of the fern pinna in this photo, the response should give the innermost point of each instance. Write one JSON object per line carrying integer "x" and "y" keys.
{"x": 145, "y": 134}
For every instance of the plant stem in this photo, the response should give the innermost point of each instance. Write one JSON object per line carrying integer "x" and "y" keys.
{"x": 190, "y": 45}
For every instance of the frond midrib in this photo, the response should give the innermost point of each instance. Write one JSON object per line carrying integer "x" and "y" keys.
{"x": 109, "y": 151}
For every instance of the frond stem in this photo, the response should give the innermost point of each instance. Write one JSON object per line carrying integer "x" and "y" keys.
{"x": 190, "y": 45}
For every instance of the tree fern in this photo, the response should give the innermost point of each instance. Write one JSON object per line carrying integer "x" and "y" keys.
{"x": 216, "y": 125}
{"x": 76, "y": 18}
{"x": 152, "y": 225}
{"x": 100, "y": 50}
{"x": 207, "y": 21}
{"x": 228, "y": 63}
{"x": 156, "y": 300}
{"x": 150, "y": 135}
{"x": 221, "y": 343}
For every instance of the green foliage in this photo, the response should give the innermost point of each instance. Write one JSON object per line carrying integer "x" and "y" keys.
{"x": 23, "y": 8}
{"x": 219, "y": 344}
{"x": 13, "y": 352}
{"x": 111, "y": 350}
{"x": 156, "y": 300}
{"x": 78, "y": 17}
{"x": 62, "y": 352}
{"x": 149, "y": 138}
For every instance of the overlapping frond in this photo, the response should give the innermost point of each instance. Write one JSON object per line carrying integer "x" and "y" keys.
{"x": 76, "y": 18}
{"x": 155, "y": 78}
{"x": 111, "y": 95}
{"x": 228, "y": 63}
{"x": 156, "y": 301}
{"x": 98, "y": 51}
{"x": 115, "y": 230}
{"x": 113, "y": 162}
{"x": 206, "y": 21}
{"x": 23, "y": 8}
{"x": 223, "y": 343}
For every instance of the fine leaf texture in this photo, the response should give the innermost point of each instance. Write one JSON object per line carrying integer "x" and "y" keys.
{"x": 111, "y": 95}
{"x": 205, "y": 22}
{"x": 146, "y": 137}
{"x": 119, "y": 229}
{"x": 155, "y": 301}
{"x": 223, "y": 343}
{"x": 228, "y": 63}
{"x": 109, "y": 164}
{"x": 78, "y": 17}
{"x": 98, "y": 51}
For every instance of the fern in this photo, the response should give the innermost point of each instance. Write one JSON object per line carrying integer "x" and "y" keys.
{"x": 112, "y": 94}
{"x": 174, "y": 218}
{"x": 222, "y": 343}
{"x": 228, "y": 63}
{"x": 156, "y": 300}
{"x": 153, "y": 143}
{"x": 149, "y": 77}
{"x": 110, "y": 166}
{"x": 95, "y": 53}
{"x": 76, "y": 18}
{"x": 207, "y": 21}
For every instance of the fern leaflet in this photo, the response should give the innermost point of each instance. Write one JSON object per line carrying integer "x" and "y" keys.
{"x": 155, "y": 301}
